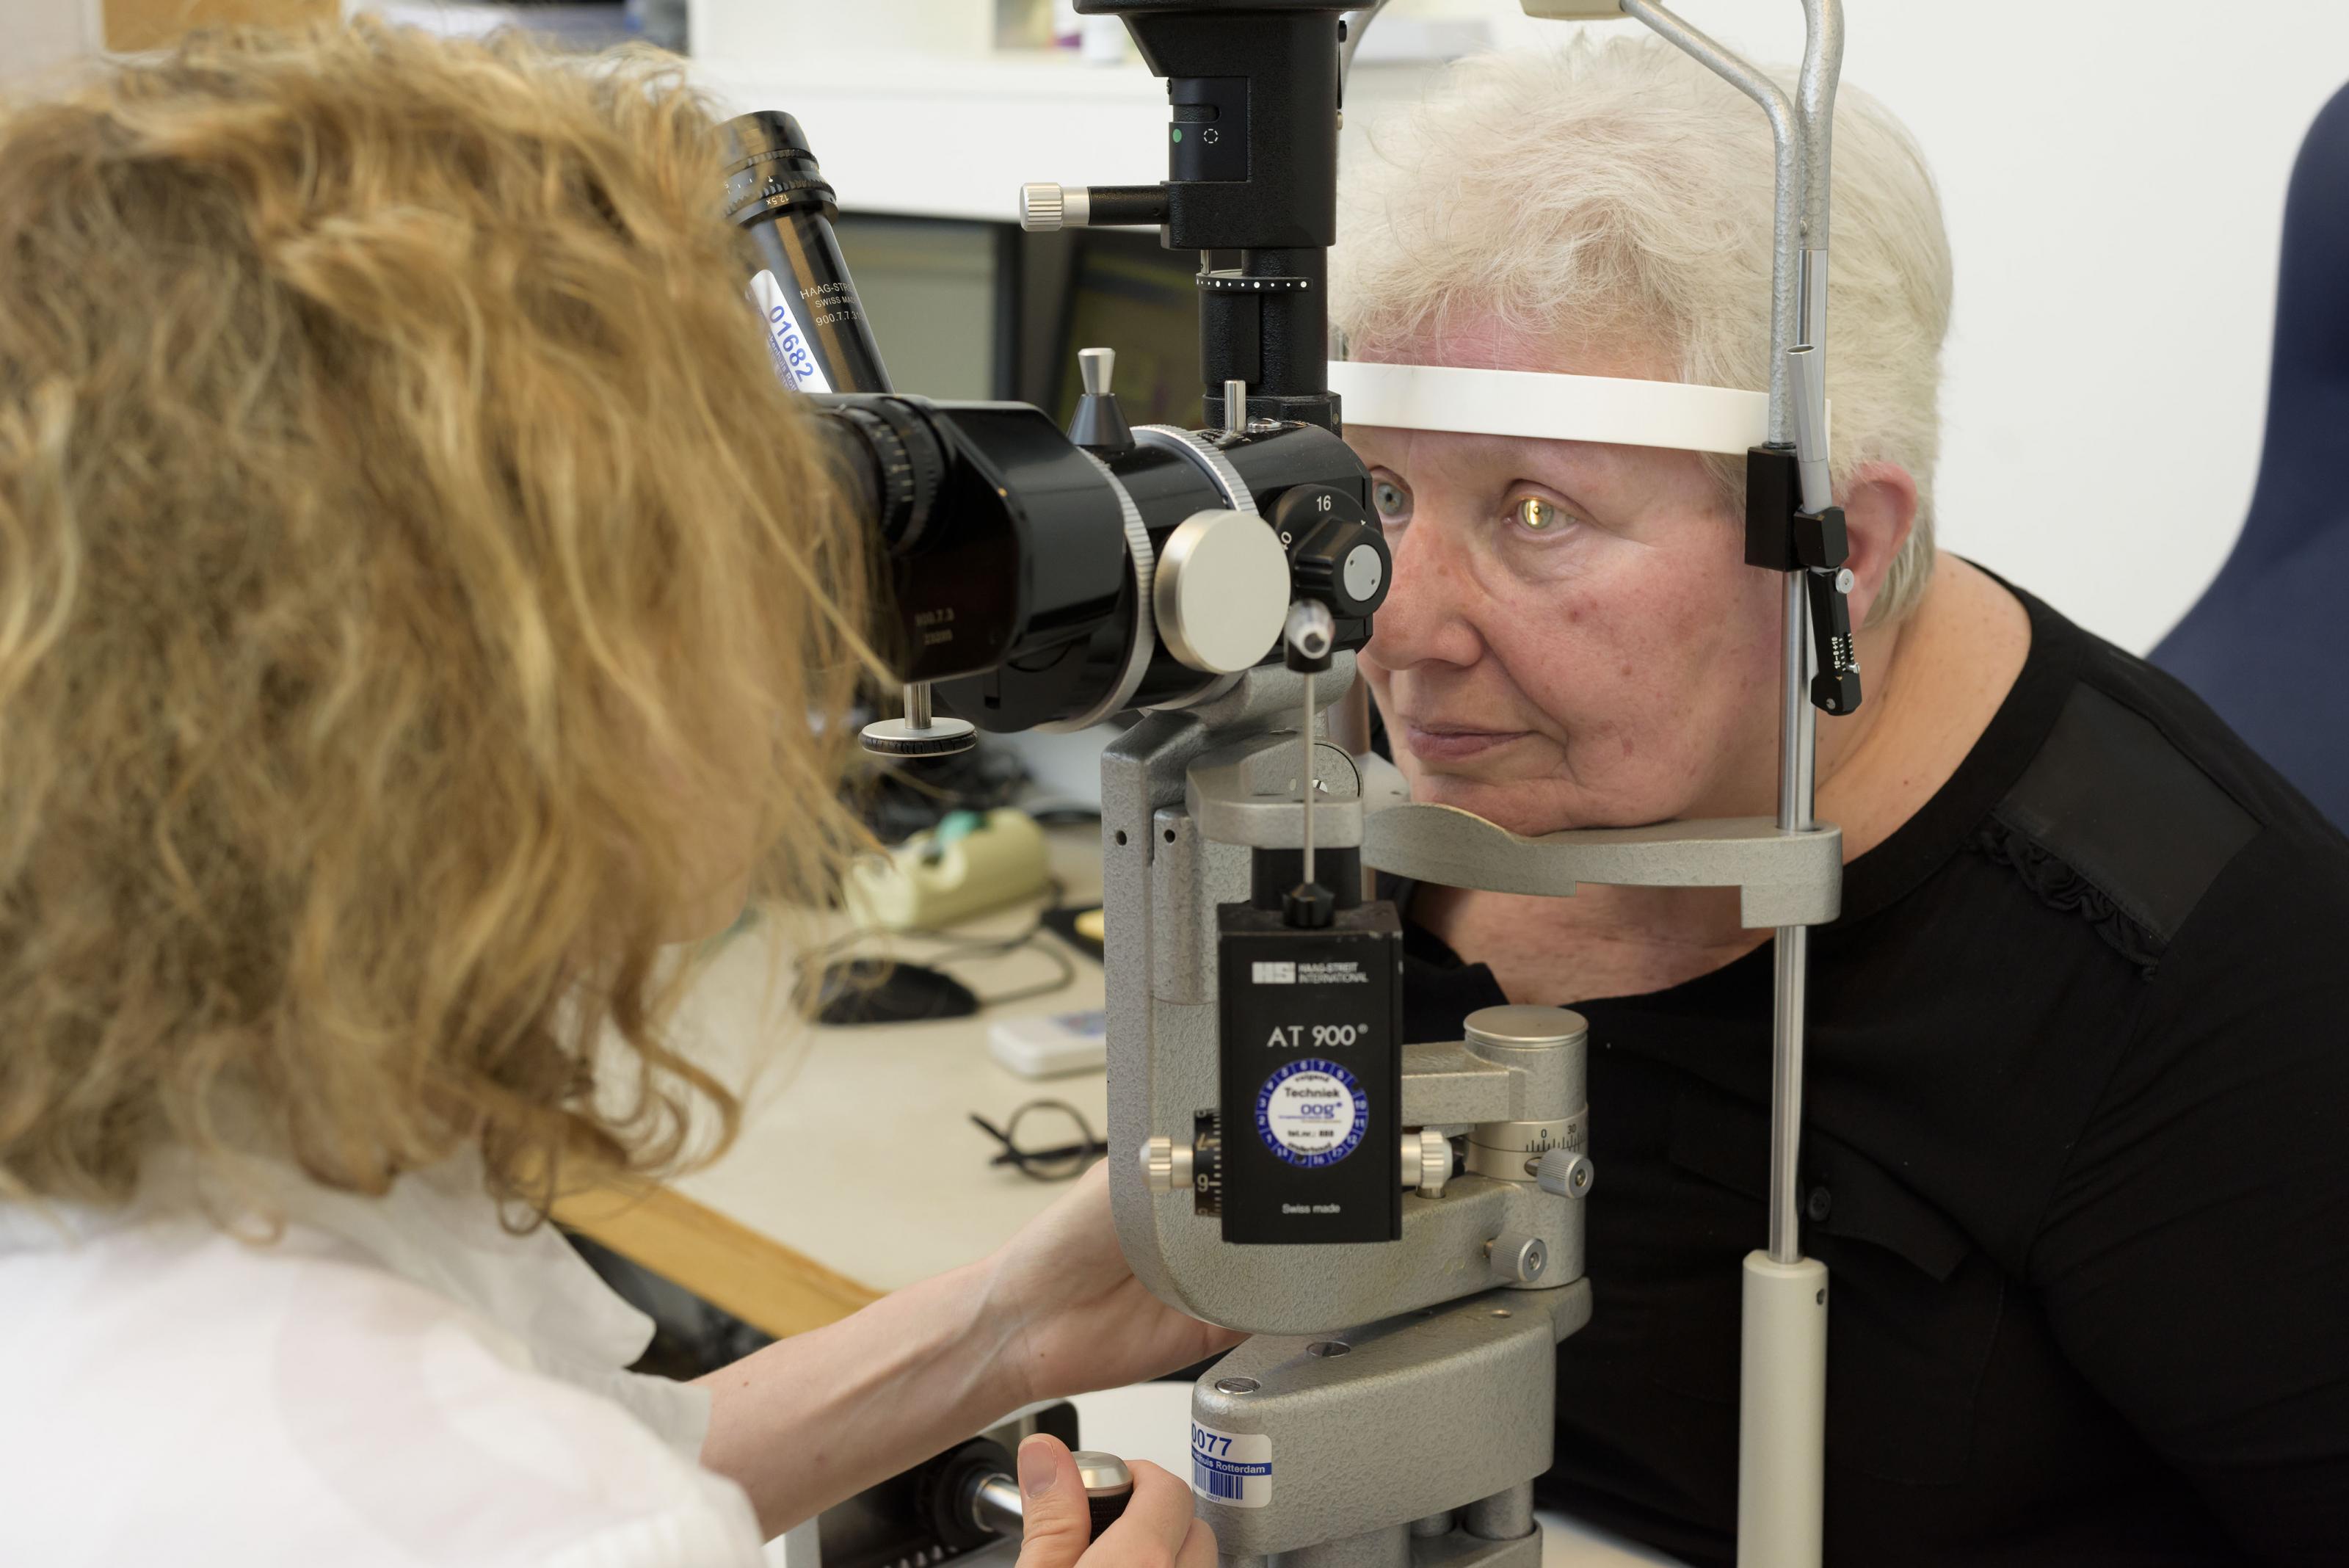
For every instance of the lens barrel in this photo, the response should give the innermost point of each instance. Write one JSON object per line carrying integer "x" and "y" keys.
{"x": 1019, "y": 564}
{"x": 816, "y": 327}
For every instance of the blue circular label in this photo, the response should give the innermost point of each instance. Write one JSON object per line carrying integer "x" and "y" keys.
{"x": 1312, "y": 1113}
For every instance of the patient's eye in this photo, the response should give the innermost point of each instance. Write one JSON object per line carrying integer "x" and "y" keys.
{"x": 1538, "y": 514}
{"x": 1391, "y": 496}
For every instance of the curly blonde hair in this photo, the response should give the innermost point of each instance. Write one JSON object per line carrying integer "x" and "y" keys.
{"x": 414, "y": 585}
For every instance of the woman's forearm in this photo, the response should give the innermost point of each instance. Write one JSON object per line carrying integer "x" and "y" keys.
{"x": 812, "y": 1420}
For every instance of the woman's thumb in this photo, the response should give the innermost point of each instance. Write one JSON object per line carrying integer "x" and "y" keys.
{"x": 1056, "y": 1526}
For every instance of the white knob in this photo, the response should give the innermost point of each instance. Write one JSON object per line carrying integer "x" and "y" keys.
{"x": 1044, "y": 207}
{"x": 1221, "y": 593}
{"x": 1094, "y": 366}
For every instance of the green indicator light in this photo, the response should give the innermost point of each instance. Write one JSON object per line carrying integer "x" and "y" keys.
{"x": 1178, "y": 133}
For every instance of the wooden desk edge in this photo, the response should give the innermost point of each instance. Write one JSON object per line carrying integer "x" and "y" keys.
{"x": 765, "y": 1283}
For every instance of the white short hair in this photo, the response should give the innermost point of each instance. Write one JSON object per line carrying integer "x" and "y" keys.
{"x": 1623, "y": 192}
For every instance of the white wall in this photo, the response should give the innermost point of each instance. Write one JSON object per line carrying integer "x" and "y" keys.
{"x": 2114, "y": 172}
{"x": 37, "y": 36}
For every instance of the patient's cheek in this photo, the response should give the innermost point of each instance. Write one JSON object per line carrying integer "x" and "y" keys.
{"x": 1595, "y": 656}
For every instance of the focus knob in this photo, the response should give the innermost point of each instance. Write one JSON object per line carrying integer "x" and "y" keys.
{"x": 1221, "y": 592}
{"x": 1109, "y": 1487}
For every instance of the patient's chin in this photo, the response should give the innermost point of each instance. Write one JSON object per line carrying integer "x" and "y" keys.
{"x": 1531, "y": 807}
{"x": 1521, "y": 806}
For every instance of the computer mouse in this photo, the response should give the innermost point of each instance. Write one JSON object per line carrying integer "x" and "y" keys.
{"x": 875, "y": 990}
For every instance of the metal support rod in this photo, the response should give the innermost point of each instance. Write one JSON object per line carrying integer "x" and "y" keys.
{"x": 1793, "y": 950}
{"x": 1786, "y": 140}
{"x": 1806, "y": 379}
{"x": 1816, "y": 90}
{"x": 1504, "y": 1516}
{"x": 1797, "y": 319}
{"x": 996, "y": 1505}
{"x": 1304, "y": 776}
{"x": 1798, "y": 727}
{"x": 918, "y": 705}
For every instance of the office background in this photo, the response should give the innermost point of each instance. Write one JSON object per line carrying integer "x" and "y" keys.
{"x": 2113, "y": 170}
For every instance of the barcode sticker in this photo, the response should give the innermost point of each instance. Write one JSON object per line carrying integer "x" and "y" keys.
{"x": 1231, "y": 1468}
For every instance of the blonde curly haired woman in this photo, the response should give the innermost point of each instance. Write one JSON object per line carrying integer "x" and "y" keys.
{"x": 412, "y": 584}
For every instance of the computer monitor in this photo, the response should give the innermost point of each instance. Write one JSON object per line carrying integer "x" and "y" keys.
{"x": 966, "y": 309}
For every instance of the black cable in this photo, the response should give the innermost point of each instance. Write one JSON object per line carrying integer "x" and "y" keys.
{"x": 963, "y": 950}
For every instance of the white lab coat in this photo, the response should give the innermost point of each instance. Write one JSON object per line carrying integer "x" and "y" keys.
{"x": 396, "y": 1381}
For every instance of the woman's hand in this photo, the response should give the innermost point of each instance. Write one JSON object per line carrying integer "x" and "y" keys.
{"x": 812, "y": 1419}
{"x": 1157, "y": 1527}
{"x": 1072, "y": 1317}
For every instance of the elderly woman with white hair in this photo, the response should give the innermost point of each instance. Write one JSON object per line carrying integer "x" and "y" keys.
{"x": 2077, "y": 1146}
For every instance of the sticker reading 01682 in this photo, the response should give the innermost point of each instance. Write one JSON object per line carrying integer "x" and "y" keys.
{"x": 1310, "y": 1113}
{"x": 795, "y": 360}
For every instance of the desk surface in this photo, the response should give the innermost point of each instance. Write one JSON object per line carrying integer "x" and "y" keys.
{"x": 856, "y": 1169}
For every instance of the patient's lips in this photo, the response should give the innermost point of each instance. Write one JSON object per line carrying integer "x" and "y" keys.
{"x": 1434, "y": 741}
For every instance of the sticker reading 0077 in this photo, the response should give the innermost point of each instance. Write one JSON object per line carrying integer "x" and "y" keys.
{"x": 1233, "y": 1467}
{"x": 1310, "y": 1113}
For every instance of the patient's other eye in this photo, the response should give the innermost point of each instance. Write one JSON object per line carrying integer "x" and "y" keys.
{"x": 1391, "y": 496}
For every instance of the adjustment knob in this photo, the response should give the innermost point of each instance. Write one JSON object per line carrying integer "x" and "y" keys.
{"x": 1044, "y": 207}
{"x": 1334, "y": 554}
{"x": 1566, "y": 1173}
{"x": 1109, "y": 1487}
{"x": 1099, "y": 424}
{"x": 1517, "y": 1260}
{"x": 989, "y": 1499}
{"x": 1167, "y": 1164}
{"x": 1426, "y": 1161}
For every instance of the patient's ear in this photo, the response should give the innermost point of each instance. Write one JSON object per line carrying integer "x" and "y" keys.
{"x": 1879, "y": 505}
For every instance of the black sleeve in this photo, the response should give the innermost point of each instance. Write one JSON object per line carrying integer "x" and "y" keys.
{"x": 2194, "y": 1261}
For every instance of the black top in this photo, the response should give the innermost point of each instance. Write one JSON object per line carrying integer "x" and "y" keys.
{"x": 2075, "y": 1152}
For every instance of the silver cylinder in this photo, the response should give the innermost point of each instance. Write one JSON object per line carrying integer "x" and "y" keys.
{"x": 995, "y": 1506}
{"x": 1504, "y": 1516}
{"x": 918, "y": 705}
{"x": 1547, "y": 1043}
{"x": 1432, "y": 1527}
{"x": 1551, "y": 1046}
